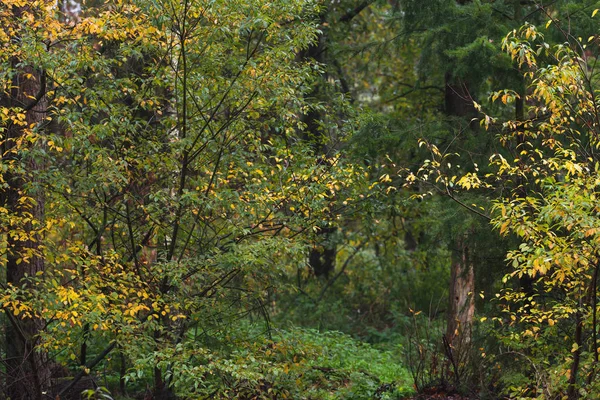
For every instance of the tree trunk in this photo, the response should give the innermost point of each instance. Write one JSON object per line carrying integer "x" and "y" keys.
{"x": 322, "y": 256}
{"x": 572, "y": 392}
{"x": 462, "y": 302}
{"x": 459, "y": 103}
{"x": 28, "y": 372}
{"x": 457, "y": 100}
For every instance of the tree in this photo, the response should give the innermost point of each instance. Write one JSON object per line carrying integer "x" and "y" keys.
{"x": 464, "y": 38}
{"x": 556, "y": 219}
{"x": 544, "y": 175}
{"x": 176, "y": 191}
{"x": 23, "y": 104}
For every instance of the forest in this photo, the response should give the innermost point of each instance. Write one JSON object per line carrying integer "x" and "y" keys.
{"x": 299, "y": 199}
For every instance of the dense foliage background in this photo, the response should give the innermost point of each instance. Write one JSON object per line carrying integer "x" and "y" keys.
{"x": 299, "y": 199}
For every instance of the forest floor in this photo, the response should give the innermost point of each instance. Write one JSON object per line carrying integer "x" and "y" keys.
{"x": 439, "y": 396}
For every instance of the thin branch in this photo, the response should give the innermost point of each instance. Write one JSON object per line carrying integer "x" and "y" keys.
{"x": 357, "y": 10}
{"x": 471, "y": 209}
{"x": 340, "y": 272}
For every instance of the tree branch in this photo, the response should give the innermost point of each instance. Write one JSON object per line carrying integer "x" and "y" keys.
{"x": 357, "y": 10}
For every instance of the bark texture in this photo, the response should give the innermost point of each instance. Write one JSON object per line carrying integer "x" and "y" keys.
{"x": 28, "y": 371}
{"x": 461, "y": 308}
{"x": 462, "y": 302}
